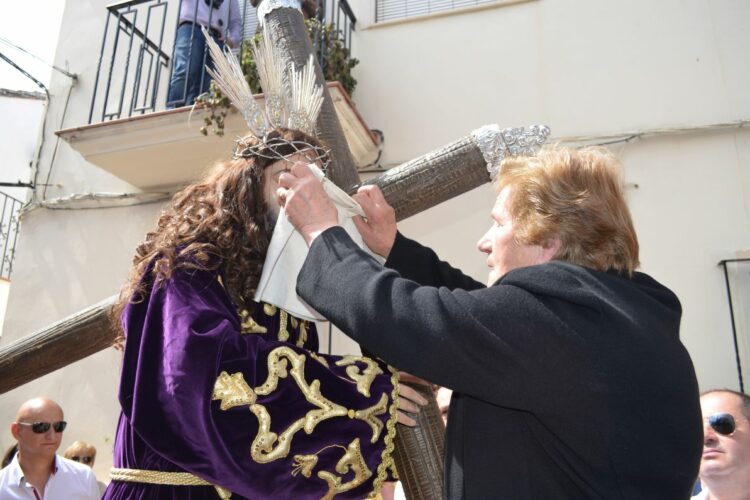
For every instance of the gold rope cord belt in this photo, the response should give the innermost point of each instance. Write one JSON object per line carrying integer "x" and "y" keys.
{"x": 157, "y": 477}
{"x": 165, "y": 478}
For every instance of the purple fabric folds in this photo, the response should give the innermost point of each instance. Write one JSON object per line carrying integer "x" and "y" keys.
{"x": 181, "y": 338}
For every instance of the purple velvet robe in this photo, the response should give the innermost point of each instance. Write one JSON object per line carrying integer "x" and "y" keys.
{"x": 176, "y": 417}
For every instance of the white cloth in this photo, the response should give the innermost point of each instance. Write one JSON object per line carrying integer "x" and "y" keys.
{"x": 69, "y": 481}
{"x": 287, "y": 252}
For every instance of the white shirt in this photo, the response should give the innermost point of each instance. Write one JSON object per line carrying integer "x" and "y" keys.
{"x": 69, "y": 481}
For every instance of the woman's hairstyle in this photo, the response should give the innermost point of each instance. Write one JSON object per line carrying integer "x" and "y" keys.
{"x": 80, "y": 448}
{"x": 219, "y": 222}
{"x": 577, "y": 197}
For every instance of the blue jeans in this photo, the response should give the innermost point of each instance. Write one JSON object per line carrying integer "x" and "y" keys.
{"x": 189, "y": 77}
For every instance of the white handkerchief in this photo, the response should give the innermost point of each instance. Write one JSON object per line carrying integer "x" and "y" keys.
{"x": 288, "y": 250}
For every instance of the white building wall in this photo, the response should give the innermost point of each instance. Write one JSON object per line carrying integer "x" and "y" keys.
{"x": 585, "y": 67}
{"x": 4, "y": 289}
{"x": 20, "y": 134}
{"x": 69, "y": 259}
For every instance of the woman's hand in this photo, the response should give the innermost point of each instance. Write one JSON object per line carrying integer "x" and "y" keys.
{"x": 305, "y": 202}
{"x": 378, "y": 229}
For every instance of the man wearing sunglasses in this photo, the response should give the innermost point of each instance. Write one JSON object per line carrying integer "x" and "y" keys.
{"x": 725, "y": 465}
{"x": 36, "y": 472}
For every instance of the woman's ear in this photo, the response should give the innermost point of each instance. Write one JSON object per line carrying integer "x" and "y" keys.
{"x": 550, "y": 248}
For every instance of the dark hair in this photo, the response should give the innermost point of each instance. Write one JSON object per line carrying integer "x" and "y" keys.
{"x": 219, "y": 222}
{"x": 744, "y": 399}
{"x": 9, "y": 454}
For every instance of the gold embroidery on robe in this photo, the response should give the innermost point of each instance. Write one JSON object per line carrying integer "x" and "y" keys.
{"x": 270, "y": 309}
{"x": 262, "y": 450}
{"x": 351, "y": 461}
{"x": 320, "y": 359}
{"x": 249, "y": 325}
{"x": 233, "y": 391}
{"x": 267, "y": 445}
{"x": 370, "y": 414}
{"x": 283, "y": 332}
{"x": 302, "y": 333}
{"x": 386, "y": 458}
{"x": 305, "y": 464}
{"x": 224, "y": 493}
{"x": 363, "y": 379}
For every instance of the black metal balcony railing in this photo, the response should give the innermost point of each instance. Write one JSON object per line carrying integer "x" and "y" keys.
{"x": 135, "y": 67}
{"x": 339, "y": 15}
{"x": 8, "y": 233}
{"x": 739, "y": 270}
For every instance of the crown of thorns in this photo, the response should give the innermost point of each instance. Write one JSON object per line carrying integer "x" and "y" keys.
{"x": 279, "y": 148}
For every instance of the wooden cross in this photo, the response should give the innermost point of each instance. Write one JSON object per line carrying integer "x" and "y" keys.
{"x": 410, "y": 188}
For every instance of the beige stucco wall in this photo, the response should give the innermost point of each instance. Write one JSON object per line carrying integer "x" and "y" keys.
{"x": 70, "y": 259}
{"x": 20, "y": 135}
{"x": 587, "y": 67}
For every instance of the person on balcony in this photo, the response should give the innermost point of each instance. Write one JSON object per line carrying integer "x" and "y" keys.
{"x": 222, "y": 19}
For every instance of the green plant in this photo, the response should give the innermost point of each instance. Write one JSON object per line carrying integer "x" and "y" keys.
{"x": 218, "y": 106}
{"x": 337, "y": 61}
{"x": 337, "y": 66}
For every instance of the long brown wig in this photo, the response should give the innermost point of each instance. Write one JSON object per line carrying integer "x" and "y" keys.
{"x": 220, "y": 222}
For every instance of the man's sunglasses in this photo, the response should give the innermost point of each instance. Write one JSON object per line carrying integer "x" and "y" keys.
{"x": 42, "y": 427}
{"x": 723, "y": 423}
{"x": 84, "y": 460}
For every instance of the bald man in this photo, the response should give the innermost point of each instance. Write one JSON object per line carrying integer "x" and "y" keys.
{"x": 36, "y": 472}
{"x": 725, "y": 467}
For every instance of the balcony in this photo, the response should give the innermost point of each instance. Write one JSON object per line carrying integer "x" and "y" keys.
{"x": 130, "y": 132}
{"x": 134, "y": 149}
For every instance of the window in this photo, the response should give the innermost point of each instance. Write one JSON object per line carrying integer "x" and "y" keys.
{"x": 388, "y": 10}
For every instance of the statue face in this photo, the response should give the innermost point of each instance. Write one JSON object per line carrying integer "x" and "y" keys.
{"x": 271, "y": 179}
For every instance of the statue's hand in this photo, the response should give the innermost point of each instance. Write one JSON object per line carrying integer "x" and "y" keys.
{"x": 378, "y": 228}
